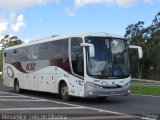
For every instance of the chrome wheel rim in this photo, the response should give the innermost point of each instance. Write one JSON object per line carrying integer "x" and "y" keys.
{"x": 64, "y": 92}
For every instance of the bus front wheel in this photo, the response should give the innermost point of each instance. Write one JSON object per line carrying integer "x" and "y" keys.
{"x": 16, "y": 86}
{"x": 64, "y": 92}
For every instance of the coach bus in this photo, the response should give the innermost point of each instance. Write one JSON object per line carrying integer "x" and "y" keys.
{"x": 81, "y": 65}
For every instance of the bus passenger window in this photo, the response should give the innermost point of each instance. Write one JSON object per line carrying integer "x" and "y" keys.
{"x": 33, "y": 52}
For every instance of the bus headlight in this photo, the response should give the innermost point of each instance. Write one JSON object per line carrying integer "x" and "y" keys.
{"x": 94, "y": 85}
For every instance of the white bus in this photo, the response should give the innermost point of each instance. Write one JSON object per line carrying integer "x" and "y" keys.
{"x": 82, "y": 65}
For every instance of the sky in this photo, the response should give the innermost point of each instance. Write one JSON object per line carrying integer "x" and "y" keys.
{"x": 33, "y": 19}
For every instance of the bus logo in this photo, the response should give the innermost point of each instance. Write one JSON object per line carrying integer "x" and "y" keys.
{"x": 10, "y": 72}
{"x": 30, "y": 66}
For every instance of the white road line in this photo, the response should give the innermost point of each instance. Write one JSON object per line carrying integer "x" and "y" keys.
{"x": 21, "y": 100}
{"x": 44, "y": 99}
{"x": 2, "y": 93}
{"x": 102, "y": 117}
{"x": 41, "y": 108}
{"x": 10, "y": 96}
{"x": 91, "y": 108}
{"x": 145, "y": 95}
{"x": 101, "y": 110}
{"x": 6, "y": 93}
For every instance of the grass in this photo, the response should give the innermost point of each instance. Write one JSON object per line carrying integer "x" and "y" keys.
{"x": 145, "y": 90}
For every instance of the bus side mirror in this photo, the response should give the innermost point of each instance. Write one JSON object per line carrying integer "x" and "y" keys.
{"x": 91, "y": 48}
{"x": 140, "y": 52}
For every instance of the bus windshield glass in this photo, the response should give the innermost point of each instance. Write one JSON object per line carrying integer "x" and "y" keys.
{"x": 111, "y": 58}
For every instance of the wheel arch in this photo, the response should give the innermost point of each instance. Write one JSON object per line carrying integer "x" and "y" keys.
{"x": 60, "y": 82}
{"x": 16, "y": 79}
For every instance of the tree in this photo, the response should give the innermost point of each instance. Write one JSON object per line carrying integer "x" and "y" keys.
{"x": 149, "y": 39}
{"x": 8, "y": 41}
{"x": 134, "y": 33}
{"x": 153, "y": 46}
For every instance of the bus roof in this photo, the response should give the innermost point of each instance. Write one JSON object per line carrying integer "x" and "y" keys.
{"x": 58, "y": 37}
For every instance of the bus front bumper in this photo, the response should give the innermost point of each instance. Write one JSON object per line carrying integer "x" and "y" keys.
{"x": 93, "y": 90}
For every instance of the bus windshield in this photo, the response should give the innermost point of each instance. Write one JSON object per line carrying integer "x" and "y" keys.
{"x": 111, "y": 58}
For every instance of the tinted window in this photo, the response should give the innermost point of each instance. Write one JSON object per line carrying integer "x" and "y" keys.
{"x": 77, "y": 56}
{"x": 33, "y": 52}
{"x": 8, "y": 58}
{"x": 22, "y": 54}
{"x": 45, "y": 51}
{"x": 60, "y": 49}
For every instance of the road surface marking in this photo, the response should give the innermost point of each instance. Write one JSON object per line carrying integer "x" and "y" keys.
{"x": 2, "y": 93}
{"x": 53, "y": 101}
{"x": 42, "y": 99}
{"x": 41, "y": 108}
{"x": 103, "y": 117}
{"x": 91, "y": 108}
{"x": 10, "y": 96}
{"x": 22, "y": 100}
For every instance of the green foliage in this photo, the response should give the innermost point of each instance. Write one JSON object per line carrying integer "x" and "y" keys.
{"x": 12, "y": 43}
{"x": 8, "y": 41}
{"x": 149, "y": 39}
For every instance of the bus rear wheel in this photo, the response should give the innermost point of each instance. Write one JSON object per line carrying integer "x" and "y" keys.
{"x": 16, "y": 86}
{"x": 64, "y": 92}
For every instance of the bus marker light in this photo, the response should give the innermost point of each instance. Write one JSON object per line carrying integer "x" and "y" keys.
{"x": 91, "y": 93}
{"x": 129, "y": 91}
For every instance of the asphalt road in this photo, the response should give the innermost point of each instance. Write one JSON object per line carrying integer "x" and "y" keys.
{"x": 40, "y": 105}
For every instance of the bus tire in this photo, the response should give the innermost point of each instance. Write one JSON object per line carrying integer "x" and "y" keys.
{"x": 16, "y": 86}
{"x": 64, "y": 94}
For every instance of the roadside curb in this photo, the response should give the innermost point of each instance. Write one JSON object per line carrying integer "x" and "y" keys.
{"x": 144, "y": 80}
{"x": 145, "y": 95}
